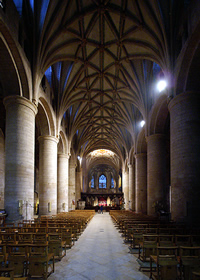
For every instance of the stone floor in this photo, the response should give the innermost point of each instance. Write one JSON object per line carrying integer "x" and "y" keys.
{"x": 99, "y": 254}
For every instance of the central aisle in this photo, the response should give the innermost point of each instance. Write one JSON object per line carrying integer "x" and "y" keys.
{"x": 99, "y": 254}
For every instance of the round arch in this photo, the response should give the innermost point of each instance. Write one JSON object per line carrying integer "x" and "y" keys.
{"x": 159, "y": 116}
{"x": 141, "y": 145}
{"x": 187, "y": 69}
{"x": 45, "y": 119}
{"x": 14, "y": 70}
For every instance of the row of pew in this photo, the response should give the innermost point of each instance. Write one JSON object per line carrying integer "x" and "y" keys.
{"x": 30, "y": 248}
{"x": 166, "y": 250}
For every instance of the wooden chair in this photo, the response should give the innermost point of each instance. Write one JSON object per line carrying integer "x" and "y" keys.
{"x": 41, "y": 262}
{"x": 148, "y": 246}
{"x": 166, "y": 240}
{"x": 40, "y": 238}
{"x": 40, "y": 229}
{"x": 189, "y": 261}
{"x": 6, "y": 229}
{"x": 19, "y": 264}
{"x": 55, "y": 246}
{"x": 25, "y": 237}
{"x": 166, "y": 263}
{"x": 3, "y": 254}
{"x": 66, "y": 237}
{"x": 7, "y": 273}
{"x": 8, "y": 238}
{"x": 17, "y": 249}
{"x": 53, "y": 230}
{"x": 137, "y": 237}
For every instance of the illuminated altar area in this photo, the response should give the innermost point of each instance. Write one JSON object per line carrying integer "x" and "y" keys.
{"x": 103, "y": 184}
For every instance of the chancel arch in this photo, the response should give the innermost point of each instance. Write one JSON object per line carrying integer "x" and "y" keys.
{"x": 103, "y": 179}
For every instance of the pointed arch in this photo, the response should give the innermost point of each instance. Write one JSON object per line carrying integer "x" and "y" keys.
{"x": 141, "y": 145}
{"x": 14, "y": 69}
{"x": 45, "y": 118}
{"x": 159, "y": 116}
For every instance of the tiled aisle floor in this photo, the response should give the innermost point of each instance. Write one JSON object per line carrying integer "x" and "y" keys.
{"x": 99, "y": 254}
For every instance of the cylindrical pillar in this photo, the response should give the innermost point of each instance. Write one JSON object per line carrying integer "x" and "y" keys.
{"x": 156, "y": 171}
{"x": 2, "y": 169}
{"x": 78, "y": 185}
{"x": 185, "y": 156}
{"x": 108, "y": 181}
{"x": 19, "y": 163}
{"x": 47, "y": 175}
{"x": 132, "y": 186}
{"x": 125, "y": 188}
{"x": 62, "y": 187}
{"x": 84, "y": 172}
{"x": 72, "y": 183}
{"x": 141, "y": 183}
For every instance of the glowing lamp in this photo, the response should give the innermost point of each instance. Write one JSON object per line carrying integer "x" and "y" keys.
{"x": 142, "y": 123}
{"x": 161, "y": 85}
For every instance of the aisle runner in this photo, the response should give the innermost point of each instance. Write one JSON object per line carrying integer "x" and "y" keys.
{"x": 99, "y": 254}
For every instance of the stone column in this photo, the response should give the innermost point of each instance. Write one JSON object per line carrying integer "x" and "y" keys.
{"x": 19, "y": 162}
{"x": 84, "y": 183}
{"x": 72, "y": 183}
{"x": 125, "y": 188}
{"x": 117, "y": 184}
{"x": 132, "y": 186}
{"x": 2, "y": 169}
{"x": 108, "y": 181}
{"x": 63, "y": 179}
{"x": 141, "y": 183}
{"x": 95, "y": 180}
{"x": 47, "y": 175}
{"x": 185, "y": 156}
{"x": 156, "y": 170}
{"x": 78, "y": 185}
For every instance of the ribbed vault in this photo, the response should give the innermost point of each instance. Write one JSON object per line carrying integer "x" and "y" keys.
{"x": 101, "y": 58}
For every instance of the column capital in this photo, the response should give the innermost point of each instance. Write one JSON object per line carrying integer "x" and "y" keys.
{"x": 48, "y": 137}
{"x": 140, "y": 155}
{"x": 62, "y": 155}
{"x": 183, "y": 97}
{"x": 155, "y": 137}
{"x": 13, "y": 100}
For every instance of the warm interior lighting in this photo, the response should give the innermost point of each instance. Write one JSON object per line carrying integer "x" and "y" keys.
{"x": 161, "y": 85}
{"x": 102, "y": 153}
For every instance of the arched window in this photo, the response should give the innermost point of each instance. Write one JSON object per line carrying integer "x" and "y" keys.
{"x": 92, "y": 182}
{"x": 112, "y": 183}
{"x": 102, "y": 181}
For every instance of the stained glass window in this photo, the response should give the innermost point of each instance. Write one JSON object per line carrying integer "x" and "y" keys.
{"x": 112, "y": 183}
{"x": 92, "y": 182}
{"x": 102, "y": 182}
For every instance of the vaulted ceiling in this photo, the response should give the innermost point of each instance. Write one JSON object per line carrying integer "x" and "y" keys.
{"x": 101, "y": 58}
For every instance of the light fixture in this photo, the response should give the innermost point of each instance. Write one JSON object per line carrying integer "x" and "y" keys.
{"x": 78, "y": 157}
{"x": 142, "y": 123}
{"x": 161, "y": 85}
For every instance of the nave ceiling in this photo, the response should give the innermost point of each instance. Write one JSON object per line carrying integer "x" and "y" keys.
{"x": 101, "y": 59}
